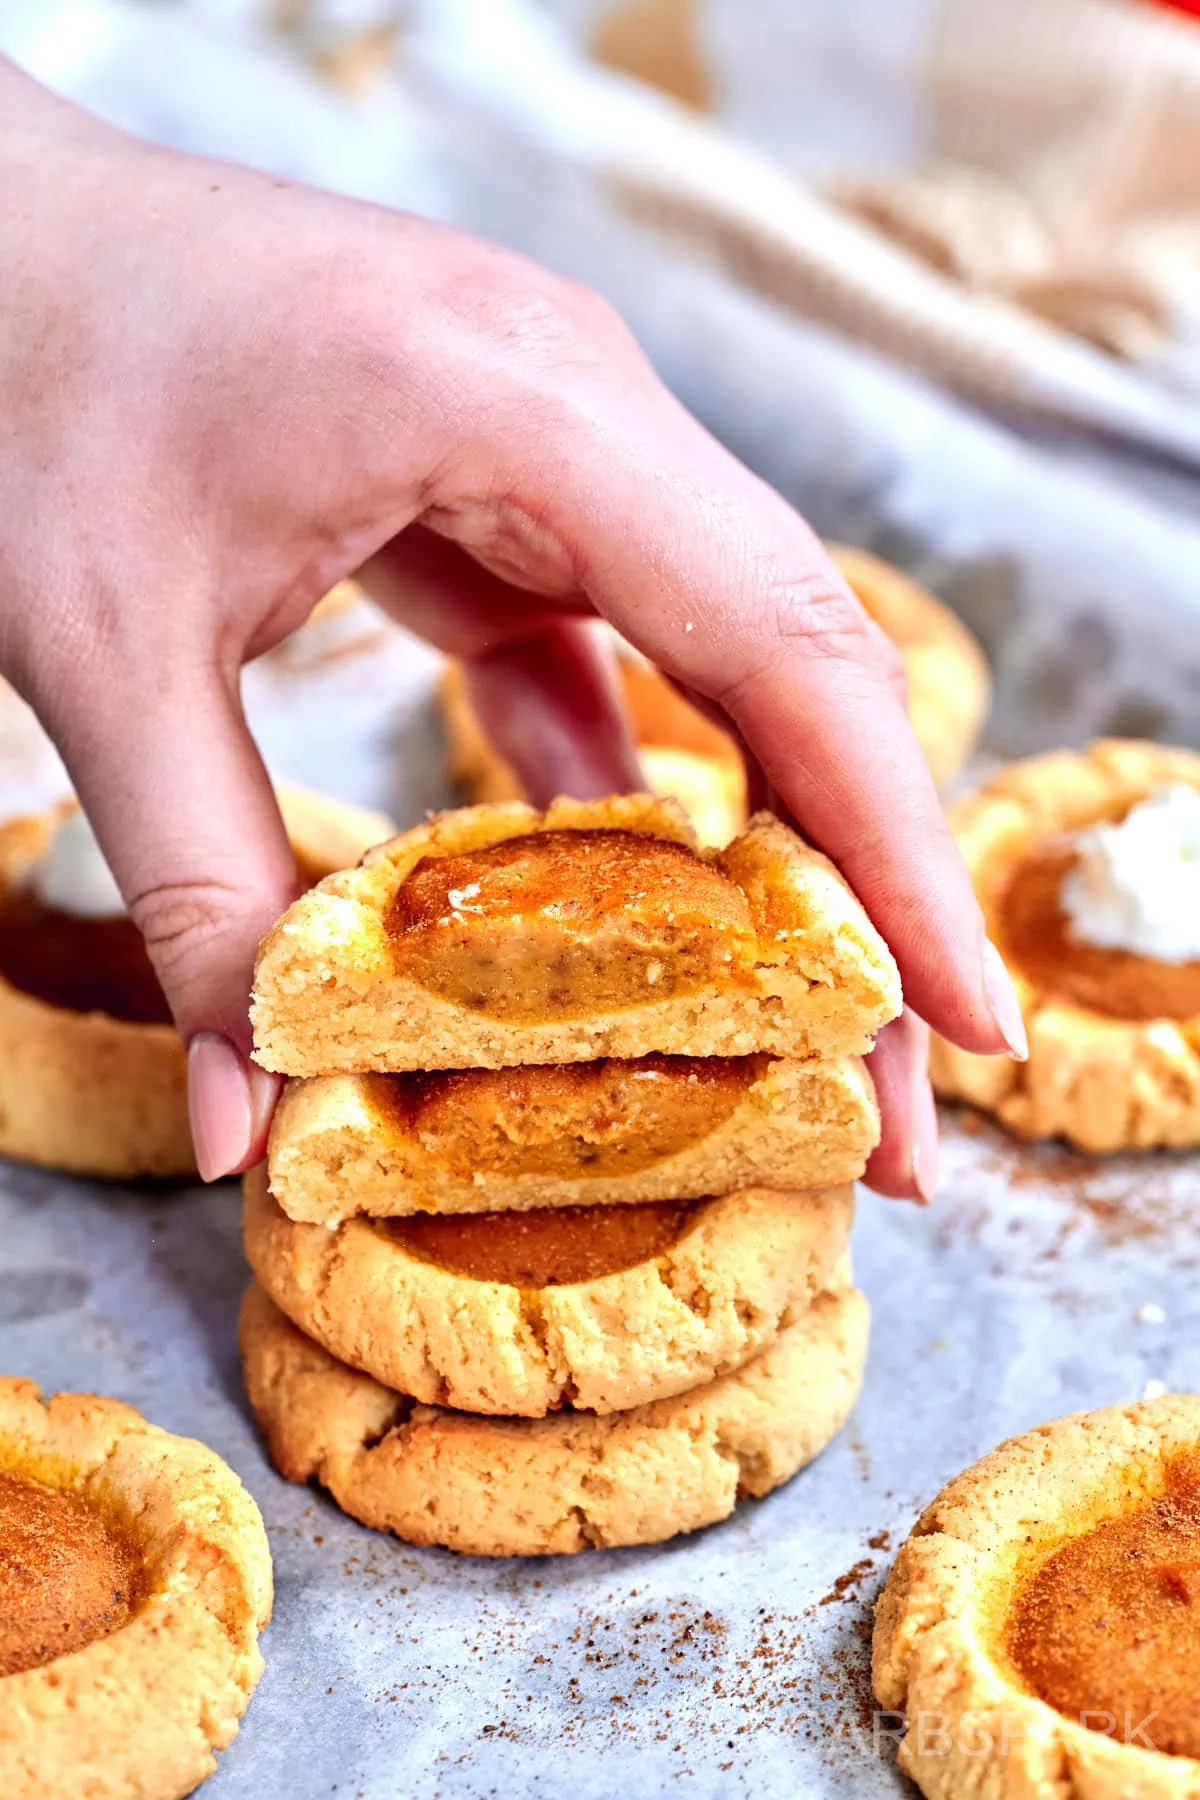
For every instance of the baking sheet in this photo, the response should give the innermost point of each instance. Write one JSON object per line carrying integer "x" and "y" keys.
{"x": 733, "y": 1662}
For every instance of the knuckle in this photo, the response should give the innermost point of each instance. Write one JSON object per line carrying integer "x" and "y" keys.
{"x": 809, "y": 616}
{"x": 819, "y": 615}
{"x": 183, "y": 923}
{"x": 543, "y": 316}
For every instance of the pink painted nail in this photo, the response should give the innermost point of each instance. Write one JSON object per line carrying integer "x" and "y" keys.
{"x": 925, "y": 1146}
{"x": 1002, "y": 998}
{"x": 229, "y": 1101}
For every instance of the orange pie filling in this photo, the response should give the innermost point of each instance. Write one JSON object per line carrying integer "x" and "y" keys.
{"x": 81, "y": 964}
{"x": 1034, "y": 937}
{"x": 568, "y": 1120}
{"x": 68, "y": 1576}
{"x": 547, "y": 1247}
{"x": 563, "y": 924}
{"x": 1107, "y": 1631}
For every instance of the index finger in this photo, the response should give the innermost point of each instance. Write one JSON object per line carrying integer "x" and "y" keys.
{"x": 710, "y": 573}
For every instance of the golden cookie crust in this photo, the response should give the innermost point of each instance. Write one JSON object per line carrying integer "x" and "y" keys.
{"x": 949, "y": 687}
{"x": 142, "y": 1711}
{"x": 531, "y": 1487}
{"x": 745, "y": 1267}
{"x": 938, "y": 1653}
{"x": 104, "y": 1096}
{"x": 1104, "y": 1084}
{"x": 335, "y": 1153}
{"x": 326, "y": 999}
{"x": 683, "y": 756}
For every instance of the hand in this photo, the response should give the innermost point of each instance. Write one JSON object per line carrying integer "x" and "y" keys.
{"x": 221, "y": 393}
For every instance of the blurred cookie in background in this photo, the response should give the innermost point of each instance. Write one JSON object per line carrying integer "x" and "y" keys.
{"x": 683, "y": 754}
{"x": 948, "y": 682}
{"x": 93, "y": 1076}
{"x": 1087, "y": 866}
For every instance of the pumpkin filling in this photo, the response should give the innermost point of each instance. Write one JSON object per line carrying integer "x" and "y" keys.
{"x": 81, "y": 964}
{"x": 546, "y": 1247}
{"x": 1107, "y": 1631}
{"x": 570, "y": 1120}
{"x": 84, "y": 964}
{"x": 565, "y": 924}
{"x": 67, "y": 1576}
{"x": 1034, "y": 938}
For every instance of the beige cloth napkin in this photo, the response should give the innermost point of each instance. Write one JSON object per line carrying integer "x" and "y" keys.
{"x": 1040, "y": 204}
{"x": 1077, "y": 563}
{"x": 1059, "y": 161}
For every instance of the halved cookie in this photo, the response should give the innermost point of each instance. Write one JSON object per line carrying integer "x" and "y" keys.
{"x": 682, "y": 753}
{"x": 93, "y": 1076}
{"x": 947, "y": 674}
{"x": 1041, "y": 1627}
{"x": 1114, "y": 1038}
{"x": 604, "y": 1307}
{"x": 499, "y": 935}
{"x": 567, "y": 1134}
{"x": 136, "y": 1579}
{"x": 528, "y": 1487}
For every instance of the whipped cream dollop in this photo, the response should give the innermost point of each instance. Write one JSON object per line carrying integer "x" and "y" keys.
{"x": 1136, "y": 886}
{"x": 73, "y": 877}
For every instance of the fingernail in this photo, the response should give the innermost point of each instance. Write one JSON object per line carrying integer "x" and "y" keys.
{"x": 1002, "y": 998}
{"x": 925, "y": 1146}
{"x": 225, "y": 1103}
{"x": 265, "y": 1090}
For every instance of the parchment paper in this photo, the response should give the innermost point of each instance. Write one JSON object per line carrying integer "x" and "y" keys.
{"x": 733, "y": 1662}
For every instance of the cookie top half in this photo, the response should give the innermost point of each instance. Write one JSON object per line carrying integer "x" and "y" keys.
{"x": 498, "y": 935}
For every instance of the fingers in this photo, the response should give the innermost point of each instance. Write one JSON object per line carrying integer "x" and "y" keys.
{"x": 184, "y": 812}
{"x": 551, "y": 705}
{"x": 437, "y": 590}
{"x": 905, "y": 1160}
{"x": 715, "y": 578}
{"x": 544, "y": 686}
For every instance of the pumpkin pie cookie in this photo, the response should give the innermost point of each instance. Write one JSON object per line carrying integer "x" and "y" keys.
{"x": 1114, "y": 1033}
{"x": 1041, "y": 1626}
{"x": 136, "y": 1579}
{"x": 947, "y": 674}
{"x": 682, "y": 753}
{"x": 603, "y": 1307}
{"x": 499, "y": 935}
{"x": 93, "y": 1077}
{"x": 567, "y": 1134}
{"x": 528, "y": 1487}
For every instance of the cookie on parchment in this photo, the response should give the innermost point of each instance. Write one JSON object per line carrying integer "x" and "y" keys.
{"x": 1041, "y": 1627}
{"x": 529, "y": 1487}
{"x": 1114, "y": 1037}
{"x": 136, "y": 1579}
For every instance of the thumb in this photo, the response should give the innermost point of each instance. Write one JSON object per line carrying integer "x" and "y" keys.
{"x": 186, "y": 816}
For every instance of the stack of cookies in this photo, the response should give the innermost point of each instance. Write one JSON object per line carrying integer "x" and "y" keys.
{"x": 550, "y": 1244}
